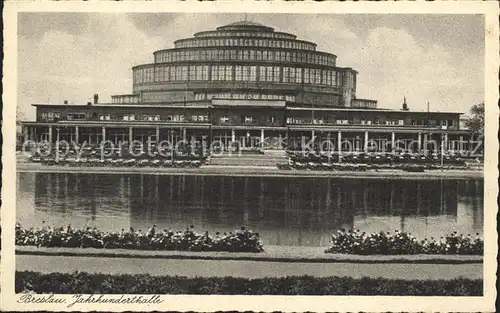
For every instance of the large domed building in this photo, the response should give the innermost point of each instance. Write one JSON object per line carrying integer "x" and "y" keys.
{"x": 244, "y": 61}
{"x": 248, "y": 86}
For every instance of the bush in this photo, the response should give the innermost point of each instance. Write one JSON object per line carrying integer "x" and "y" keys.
{"x": 242, "y": 240}
{"x": 356, "y": 242}
{"x": 295, "y": 285}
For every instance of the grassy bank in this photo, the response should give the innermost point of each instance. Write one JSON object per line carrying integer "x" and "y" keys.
{"x": 294, "y": 285}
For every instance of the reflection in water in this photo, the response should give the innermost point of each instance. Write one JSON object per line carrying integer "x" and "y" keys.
{"x": 286, "y": 211}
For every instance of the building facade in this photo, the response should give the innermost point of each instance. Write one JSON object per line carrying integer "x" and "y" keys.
{"x": 246, "y": 85}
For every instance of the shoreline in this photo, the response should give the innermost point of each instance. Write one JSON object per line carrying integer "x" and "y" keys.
{"x": 249, "y": 171}
{"x": 280, "y": 254}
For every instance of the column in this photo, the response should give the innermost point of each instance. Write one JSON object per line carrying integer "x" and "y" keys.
{"x": 130, "y": 135}
{"x": 184, "y": 136}
{"x": 157, "y": 134}
{"x": 339, "y": 145}
{"x": 329, "y": 139}
{"x": 393, "y": 141}
{"x": 461, "y": 145}
{"x": 233, "y": 135}
{"x": 426, "y": 143}
{"x": 50, "y": 134}
{"x": 445, "y": 148}
{"x": 103, "y": 134}
{"x": 419, "y": 142}
{"x": 262, "y": 138}
{"x": 439, "y": 143}
{"x": 77, "y": 135}
{"x": 365, "y": 143}
{"x": 210, "y": 137}
{"x": 172, "y": 138}
{"x": 57, "y": 146}
{"x": 313, "y": 134}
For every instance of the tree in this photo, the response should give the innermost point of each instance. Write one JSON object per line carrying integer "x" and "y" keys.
{"x": 476, "y": 122}
{"x": 19, "y": 117}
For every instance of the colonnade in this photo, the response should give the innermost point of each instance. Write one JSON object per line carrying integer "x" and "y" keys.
{"x": 376, "y": 141}
{"x": 337, "y": 140}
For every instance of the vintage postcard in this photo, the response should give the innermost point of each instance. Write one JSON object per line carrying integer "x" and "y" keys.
{"x": 249, "y": 156}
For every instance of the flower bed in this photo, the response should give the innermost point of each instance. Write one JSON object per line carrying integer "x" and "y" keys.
{"x": 380, "y": 158}
{"x": 94, "y": 156}
{"x": 178, "y": 162}
{"x": 373, "y": 161}
{"x": 356, "y": 242}
{"x": 160, "y": 163}
{"x": 242, "y": 240}
{"x": 312, "y": 166}
{"x": 84, "y": 283}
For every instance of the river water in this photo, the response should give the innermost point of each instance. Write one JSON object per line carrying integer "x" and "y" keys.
{"x": 285, "y": 211}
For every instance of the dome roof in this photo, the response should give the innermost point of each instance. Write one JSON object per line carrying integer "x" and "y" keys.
{"x": 246, "y": 24}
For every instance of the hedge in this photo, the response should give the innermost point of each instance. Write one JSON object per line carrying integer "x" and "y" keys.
{"x": 294, "y": 285}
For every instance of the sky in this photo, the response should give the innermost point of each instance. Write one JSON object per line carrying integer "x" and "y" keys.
{"x": 427, "y": 58}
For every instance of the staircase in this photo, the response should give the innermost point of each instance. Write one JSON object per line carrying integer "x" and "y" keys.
{"x": 250, "y": 159}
